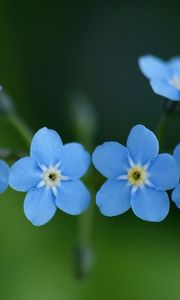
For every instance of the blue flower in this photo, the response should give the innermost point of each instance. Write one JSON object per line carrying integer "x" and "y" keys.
{"x": 137, "y": 176}
{"x": 164, "y": 76}
{"x": 176, "y": 192}
{"x": 4, "y": 176}
{"x": 50, "y": 176}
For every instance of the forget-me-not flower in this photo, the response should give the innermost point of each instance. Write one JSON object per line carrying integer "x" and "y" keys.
{"x": 176, "y": 192}
{"x": 137, "y": 176}
{"x": 4, "y": 176}
{"x": 50, "y": 176}
{"x": 164, "y": 76}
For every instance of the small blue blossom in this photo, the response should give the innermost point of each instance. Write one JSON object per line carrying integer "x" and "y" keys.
{"x": 176, "y": 192}
{"x": 50, "y": 176}
{"x": 164, "y": 76}
{"x": 4, "y": 176}
{"x": 137, "y": 176}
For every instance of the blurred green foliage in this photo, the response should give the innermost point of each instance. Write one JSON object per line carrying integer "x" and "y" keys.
{"x": 51, "y": 51}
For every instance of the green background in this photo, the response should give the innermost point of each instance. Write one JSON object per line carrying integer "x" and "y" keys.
{"x": 50, "y": 54}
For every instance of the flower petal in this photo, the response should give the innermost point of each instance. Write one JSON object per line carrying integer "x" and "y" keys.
{"x": 176, "y": 195}
{"x": 46, "y": 147}
{"x": 174, "y": 64}
{"x": 150, "y": 205}
{"x": 73, "y": 197}
{"x": 4, "y": 176}
{"x": 24, "y": 174}
{"x": 111, "y": 159}
{"x": 153, "y": 67}
{"x": 165, "y": 89}
{"x": 75, "y": 161}
{"x": 164, "y": 172}
{"x": 39, "y": 206}
{"x": 176, "y": 155}
{"x": 113, "y": 198}
{"x": 142, "y": 144}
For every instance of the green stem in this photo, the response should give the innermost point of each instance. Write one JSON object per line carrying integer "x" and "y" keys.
{"x": 21, "y": 128}
{"x": 11, "y": 154}
{"x": 84, "y": 256}
{"x": 170, "y": 110}
{"x": 85, "y": 227}
{"x": 84, "y": 120}
{"x": 163, "y": 125}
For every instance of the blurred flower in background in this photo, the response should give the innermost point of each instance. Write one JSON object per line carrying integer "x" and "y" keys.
{"x": 164, "y": 76}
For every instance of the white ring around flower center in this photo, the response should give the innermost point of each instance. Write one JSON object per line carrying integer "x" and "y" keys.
{"x": 175, "y": 81}
{"x": 51, "y": 177}
{"x": 137, "y": 175}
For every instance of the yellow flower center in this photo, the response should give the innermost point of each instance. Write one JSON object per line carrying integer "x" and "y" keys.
{"x": 137, "y": 175}
{"x": 53, "y": 176}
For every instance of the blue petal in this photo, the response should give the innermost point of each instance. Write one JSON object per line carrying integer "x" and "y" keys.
{"x": 174, "y": 64}
{"x": 153, "y": 67}
{"x": 150, "y": 205}
{"x": 4, "y": 176}
{"x": 111, "y": 159}
{"x": 176, "y": 155}
{"x": 75, "y": 161}
{"x": 164, "y": 172}
{"x": 24, "y": 174}
{"x": 39, "y": 206}
{"x": 113, "y": 198}
{"x": 176, "y": 195}
{"x": 163, "y": 88}
{"x": 46, "y": 147}
{"x": 142, "y": 144}
{"x": 73, "y": 197}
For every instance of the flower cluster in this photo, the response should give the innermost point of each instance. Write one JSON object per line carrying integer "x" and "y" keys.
{"x": 138, "y": 177}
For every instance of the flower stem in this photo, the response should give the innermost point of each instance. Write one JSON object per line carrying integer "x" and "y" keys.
{"x": 21, "y": 128}
{"x": 163, "y": 125}
{"x": 85, "y": 224}
{"x": 11, "y": 154}
{"x": 84, "y": 256}
{"x": 170, "y": 110}
{"x": 84, "y": 120}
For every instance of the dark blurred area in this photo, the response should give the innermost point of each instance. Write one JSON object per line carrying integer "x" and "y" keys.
{"x": 52, "y": 53}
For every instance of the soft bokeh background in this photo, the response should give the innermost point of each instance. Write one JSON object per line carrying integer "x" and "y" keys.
{"x": 53, "y": 52}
